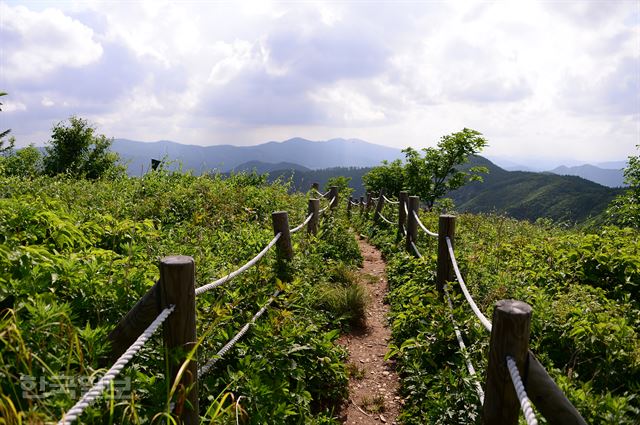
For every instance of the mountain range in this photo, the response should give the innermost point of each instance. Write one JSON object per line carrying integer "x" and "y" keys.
{"x": 520, "y": 194}
{"x": 224, "y": 158}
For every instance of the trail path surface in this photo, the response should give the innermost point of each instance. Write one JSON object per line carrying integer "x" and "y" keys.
{"x": 373, "y": 387}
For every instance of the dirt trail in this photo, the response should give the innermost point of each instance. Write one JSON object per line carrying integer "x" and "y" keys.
{"x": 373, "y": 387}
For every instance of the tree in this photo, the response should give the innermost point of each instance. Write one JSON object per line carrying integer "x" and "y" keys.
{"x": 4, "y": 150}
{"x": 388, "y": 176}
{"x": 437, "y": 172}
{"x": 25, "y": 162}
{"x": 342, "y": 183}
{"x": 624, "y": 210}
{"x": 76, "y": 149}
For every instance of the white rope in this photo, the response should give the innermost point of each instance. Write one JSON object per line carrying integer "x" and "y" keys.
{"x": 525, "y": 403}
{"x": 323, "y": 210}
{"x": 304, "y": 223}
{"x": 355, "y": 204}
{"x": 375, "y": 199}
{"x": 385, "y": 219}
{"x": 467, "y": 295}
{"x": 463, "y": 349}
{"x": 435, "y": 235}
{"x": 415, "y": 248}
{"x": 91, "y": 395}
{"x": 389, "y": 200}
{"x": 205, "y": 369}
{"x": 404, "y": 230}
{"x": 406, "y": 210}
{"x": 334, "y": 199}
{"x": 320, "y": 193}
{"x": 254, "y": 260}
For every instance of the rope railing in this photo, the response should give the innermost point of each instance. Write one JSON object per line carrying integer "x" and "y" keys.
{"x": 385, "y": 219}
{"x": 463, "y": 350}
{"x": 510, "y": 317}
{"x": 389, "y": 200}
{"x": 304, "y": 223}
{"x": 322, "y": 194}
{"x": 525, "y": 403}
{"x": 483, "y": 319}
{"x": 245, "y": 267}
{"x": 97, "y": 389}
{"x": 423, "y": 227}
{"x": 233, "y": 341}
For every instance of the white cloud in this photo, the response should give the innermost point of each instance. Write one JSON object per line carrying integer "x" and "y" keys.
{"x": 37, "y": 43}
{"x": 537, "y": 78}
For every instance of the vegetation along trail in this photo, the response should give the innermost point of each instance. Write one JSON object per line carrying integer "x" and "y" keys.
{"x": 373, "y": 381}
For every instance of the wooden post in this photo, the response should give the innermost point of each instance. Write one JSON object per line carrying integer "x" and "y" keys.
{"x": 379, "y": 205}
{"x": 445, "y": 272}
{"x": 509, "y": 337}
{"x": 177, "y": 287}
{"x": 349, "y": 206}
{"x": 333, "y": 193}
{"x": 284, "y": 249}
{"x": 548, "y": 398}
{"x": 368, "y": 206}
{"x": 361, "y": 205}
{"x": 314, "y": 207}
{"x": 403, "y": 198}
{"x": 133, "y": 323}
{"x": 412, "y": 224}
{"x": 315, "y": 186}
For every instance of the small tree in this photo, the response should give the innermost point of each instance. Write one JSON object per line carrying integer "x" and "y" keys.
{"x": 624, "y": 210}
{"x": 25, "y": 162}
{"x": 342, "y": 183}
{"x": 76, "y": 149}
{"x": 437, "y": 172}
{"x": 388, "y": 176}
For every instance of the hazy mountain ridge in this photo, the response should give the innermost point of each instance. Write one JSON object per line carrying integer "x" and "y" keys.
{"x": 605, "y": 177}
{"x": 309, "y": 154}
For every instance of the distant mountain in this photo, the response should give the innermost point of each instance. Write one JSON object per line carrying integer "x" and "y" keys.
{"x": 309, "y": 154}
{"x": 527, "y": 195}
{"x": 605, "y": 177}
{"x": 266, "y": 167}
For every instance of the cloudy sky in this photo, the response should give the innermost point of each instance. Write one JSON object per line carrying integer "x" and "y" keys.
{"x": 548, "y": 80}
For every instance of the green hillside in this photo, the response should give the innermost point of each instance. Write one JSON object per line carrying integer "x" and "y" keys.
{"x": 528, "y": 195}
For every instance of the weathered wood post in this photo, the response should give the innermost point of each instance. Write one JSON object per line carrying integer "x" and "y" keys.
{"x": 379, "y": 206}
{"x": 403, "y": 198}
{"x": 314, "y": 208}
{"x": 509, "y": 337}
{"x": 177, "y": 287}
{"x": 548, "y": 398}
{"x": 412, "y": 224}
{"x": 361, "y": 205}
{"x": 349, "y": 201}
{"x": 445, "y": 272}
{"x": 368, "y": 206}
{"x": 333, "y": 194}
{"x": 284, "y": 249}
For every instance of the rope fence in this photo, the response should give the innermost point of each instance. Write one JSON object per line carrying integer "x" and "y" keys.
{"x": 244, "y": 268}
{"x": 90, "y": 396}
{"x": 177, "y": 275}
{"x": 509, "y": 332}
{"x": 422, "y": 226}
{"x": 233, "y": 341}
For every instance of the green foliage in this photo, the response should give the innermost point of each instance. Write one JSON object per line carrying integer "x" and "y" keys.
{"x": 625, "y": 209}
{"x": 77, "y": 254}
{"x": 388, "y": 176}
{"x": 582, "y": 285}
{"x": 25, "y": 162}
{"x": 437, "y": 172}
{"x": 342, "y": 183}
{"x": 76, "y": 150}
